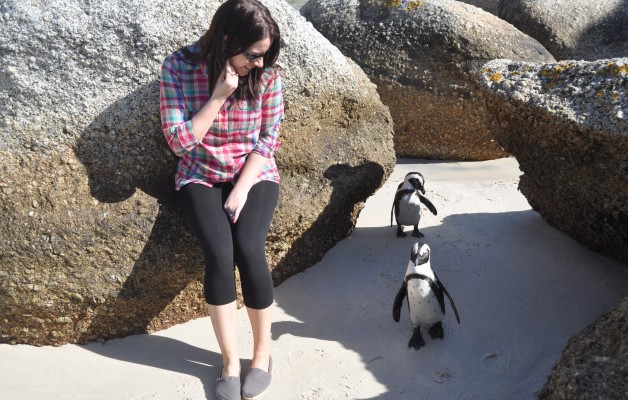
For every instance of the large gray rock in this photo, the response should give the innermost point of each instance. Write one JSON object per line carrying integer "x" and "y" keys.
{"x": 594, "y": 365}
{"x": 93, "y": 246}
{"x": 566, "y": 125}
{"x": 491, "y": 6}
{"x": 421, "y": 55}
{"x": 572, "y": 29}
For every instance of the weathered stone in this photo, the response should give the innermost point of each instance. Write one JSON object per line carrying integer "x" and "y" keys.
{"x": 572, "y": 29}
{"x": 105, "y": 252}
{"x": 566, "y": 125}
{"x": 594, "y": 365}
{"x": 421, "y": 55}
{"x": 491, "y": 6}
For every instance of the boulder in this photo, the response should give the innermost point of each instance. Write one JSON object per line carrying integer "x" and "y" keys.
{"x": 566, "y": 125}
{"x": 93, "y": 244}
{"x": 491, "y": 6}
{"x": 572, "y": 29}
{"x": 593, "y": 365}
{"x": 421, "y": 55}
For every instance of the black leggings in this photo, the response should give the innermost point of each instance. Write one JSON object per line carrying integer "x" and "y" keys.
{"x": 225, "y": 244}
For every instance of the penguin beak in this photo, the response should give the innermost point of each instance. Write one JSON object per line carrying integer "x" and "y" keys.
{"x": 417, "y": 185}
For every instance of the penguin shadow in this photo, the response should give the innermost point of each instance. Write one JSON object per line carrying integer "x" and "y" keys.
{"x": 124, "y": 152}
{"x": 348, "y": 298}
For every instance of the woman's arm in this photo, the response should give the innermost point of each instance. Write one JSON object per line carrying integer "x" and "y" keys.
{"x": 267, "y": 144}
{"x": 248, "y": 178}
{"x": 183, "y": 134}
{"x": 204, "y": 118}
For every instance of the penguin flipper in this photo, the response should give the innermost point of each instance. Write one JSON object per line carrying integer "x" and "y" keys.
{"x": 428, "y": 203}
{"x": 451, "y": 301}
{"x": 401, "y": 294}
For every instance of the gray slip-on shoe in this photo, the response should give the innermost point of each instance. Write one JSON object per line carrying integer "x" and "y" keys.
{"x": 257, "y": 381}
{"x": 228, "y": 388}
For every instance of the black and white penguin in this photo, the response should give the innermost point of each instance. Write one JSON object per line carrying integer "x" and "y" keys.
{"x": 426, "y": 297}
{"x": 407, "y": 204}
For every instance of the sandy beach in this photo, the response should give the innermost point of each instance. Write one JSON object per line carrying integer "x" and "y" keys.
{"x": 522, "y": 289}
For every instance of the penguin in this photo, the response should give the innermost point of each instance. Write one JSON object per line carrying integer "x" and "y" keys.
{"x": 407, "y": 204}
{"x": 426, "y": 297}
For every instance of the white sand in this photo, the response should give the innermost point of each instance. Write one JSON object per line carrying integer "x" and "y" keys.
{"x": 522, "y": 289}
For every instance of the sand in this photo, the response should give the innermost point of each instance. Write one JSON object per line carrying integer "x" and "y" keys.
{"x": 522, "y": 289}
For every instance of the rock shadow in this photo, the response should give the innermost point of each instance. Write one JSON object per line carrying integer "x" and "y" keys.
{"x": 351, "y": 187}
{"x": 348, "y": 299}
{"x": 129, "y": 166}
{"x": 612, "y": 31}
{"x": 124, "y": 152}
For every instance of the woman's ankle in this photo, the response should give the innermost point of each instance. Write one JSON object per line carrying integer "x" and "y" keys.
{"x": 230, "y": 367}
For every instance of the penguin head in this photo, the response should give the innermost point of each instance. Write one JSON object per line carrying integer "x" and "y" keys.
{"x": 416, "y": 180}
{"x": 420, "y": 253}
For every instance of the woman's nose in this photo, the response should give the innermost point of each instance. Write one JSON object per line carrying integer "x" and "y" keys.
{"x": 259, "y": 62}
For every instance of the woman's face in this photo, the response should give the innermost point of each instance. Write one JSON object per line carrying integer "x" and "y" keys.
{"x": 253, "y": 57}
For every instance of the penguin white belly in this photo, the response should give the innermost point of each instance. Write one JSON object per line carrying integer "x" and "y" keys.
{"x": 409, "y": 210}
{"x": 424, "y": 306}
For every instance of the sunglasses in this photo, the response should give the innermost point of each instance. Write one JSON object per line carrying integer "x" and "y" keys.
{"x": 252, "y": 57}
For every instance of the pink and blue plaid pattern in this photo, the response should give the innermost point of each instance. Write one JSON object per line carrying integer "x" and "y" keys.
{"x": 239, "y": 128}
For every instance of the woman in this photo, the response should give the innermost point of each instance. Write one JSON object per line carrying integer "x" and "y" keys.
{"x": 221, "y": 105}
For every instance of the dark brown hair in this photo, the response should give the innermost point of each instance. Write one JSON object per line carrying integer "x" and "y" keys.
{"x": 243, "y": 22}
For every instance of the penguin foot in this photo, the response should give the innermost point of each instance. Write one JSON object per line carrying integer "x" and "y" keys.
{"x": 416, "y": 341}
{"x": 436, "y": 331}
{"x": 417, "y": 234}
{"x": 400, "y": 232}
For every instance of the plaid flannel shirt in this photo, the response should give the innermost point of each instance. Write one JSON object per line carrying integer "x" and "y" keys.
{"x": 239, "y": 128}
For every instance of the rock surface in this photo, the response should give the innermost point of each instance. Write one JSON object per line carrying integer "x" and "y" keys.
{"x": 93, "y": 246}
{"x": 572, "y": 29}
{"x": 491, "y": 6}
{"x": 594, "y": 365}
{"x": 566, "y": 125}
{"x": 421, "y": 55}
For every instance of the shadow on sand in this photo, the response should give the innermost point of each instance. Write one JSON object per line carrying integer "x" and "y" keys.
{"x": 348, "y": 299}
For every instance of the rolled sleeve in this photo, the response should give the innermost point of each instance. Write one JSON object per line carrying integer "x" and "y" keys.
{"x": 176, "y": 125}
{"x": 272, "y": 114}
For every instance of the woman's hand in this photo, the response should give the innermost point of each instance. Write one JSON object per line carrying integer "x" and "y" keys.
{"x": 227, "y": 82}
{"x": 235, "y": 202}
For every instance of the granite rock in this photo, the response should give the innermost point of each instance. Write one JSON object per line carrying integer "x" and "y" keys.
{"x": 594, "y": 364}
{"x": 566, "y": 125}
{"x": 572, "y": 29}
{"x": 491, "y": 6}
{"x": 93, "y": 244}
{"x": 422, "y": 56}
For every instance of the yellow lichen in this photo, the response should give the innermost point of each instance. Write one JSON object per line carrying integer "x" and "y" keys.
{"x": 496, "y": 77}
{"x": 414, "y": 4}
{"x": 619, "y": 69}
{"x": 387, "y": 3}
